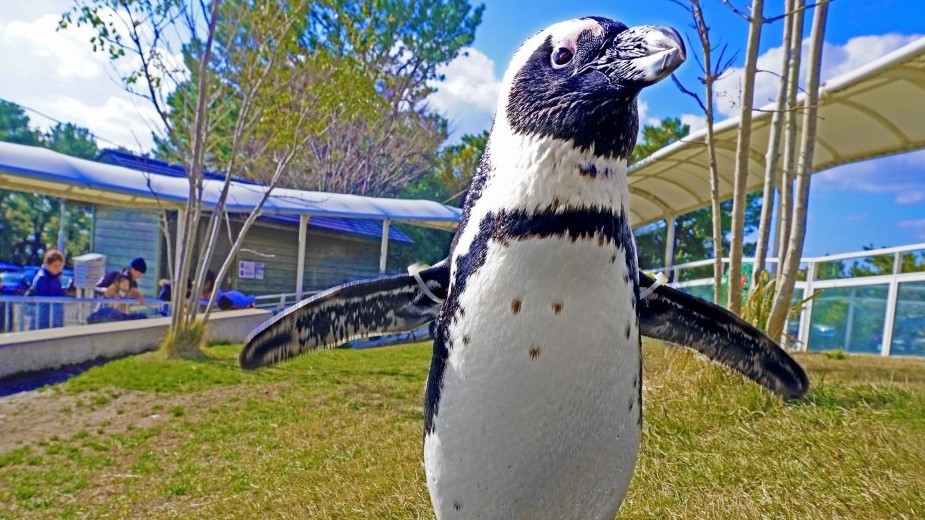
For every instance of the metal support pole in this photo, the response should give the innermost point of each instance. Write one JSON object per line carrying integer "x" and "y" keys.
{"x": 384, "y": 249}
{"x": 177, "y": 284}
{"x": 62, "y": 222}
{"x": 807, "y": 314}
{"x": 669, "y": 243}
{"x": 300, "y": 267}
{"x": 892, "y": 298}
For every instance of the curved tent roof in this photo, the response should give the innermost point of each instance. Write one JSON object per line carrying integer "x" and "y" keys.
{"x": 34, "y": 169}
{"x": 872, "y": 112}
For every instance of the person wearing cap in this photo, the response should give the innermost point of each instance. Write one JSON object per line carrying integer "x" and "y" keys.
{"x": 135, "y": 270}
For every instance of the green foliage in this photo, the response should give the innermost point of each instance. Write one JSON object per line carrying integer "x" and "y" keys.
{"x": 458, "y": 163}
{"x": 758, "y": 303}
{"x": 694, "y": 234}
{"x": 654, "y": 138}
{"x": 30, "y": 222}
{"x": 14, "y": 125}
{"x": 694, "y": 230}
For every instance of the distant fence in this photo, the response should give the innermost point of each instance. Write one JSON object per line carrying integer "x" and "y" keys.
{"x": 23, "y": 313}
{"x": 871, "y": 301}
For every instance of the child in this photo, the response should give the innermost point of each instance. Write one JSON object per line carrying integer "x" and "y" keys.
{"x": 119, "y": 288}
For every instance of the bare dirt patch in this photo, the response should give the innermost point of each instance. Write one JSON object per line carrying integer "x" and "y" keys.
{"x": 31, "y": 417}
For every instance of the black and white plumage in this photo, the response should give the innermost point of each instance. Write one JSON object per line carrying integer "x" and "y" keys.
{"x": 533, "y": 401}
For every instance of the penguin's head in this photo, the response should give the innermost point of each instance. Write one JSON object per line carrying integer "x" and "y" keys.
{"x": 578, "y": 80}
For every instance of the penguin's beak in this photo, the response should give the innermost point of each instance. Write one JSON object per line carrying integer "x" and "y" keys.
{"x": 641, "y": 56}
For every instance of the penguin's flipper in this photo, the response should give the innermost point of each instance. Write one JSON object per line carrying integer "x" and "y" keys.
{"x": 674, "y": 316}
{"x": 384, "y": 305}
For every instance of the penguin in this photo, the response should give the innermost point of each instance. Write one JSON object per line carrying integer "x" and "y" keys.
{"x": 533, "y": 402}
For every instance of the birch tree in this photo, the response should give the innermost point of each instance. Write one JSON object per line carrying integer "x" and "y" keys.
{"x": 784, "y": 296}
{"x": 246, "y": 52}
{"x": 710, "y": 73}
{"x": 743, "y": 147}
{"x": 789, "y": 162}
{"x": 772, "y": 156}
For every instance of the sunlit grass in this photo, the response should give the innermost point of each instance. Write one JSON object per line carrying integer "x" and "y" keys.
{"x": 337, "y": 434}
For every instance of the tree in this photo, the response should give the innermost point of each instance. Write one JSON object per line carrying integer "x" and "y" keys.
{"x": 31, "y": 222}
{"x": 654, "y": 138}
{"x": 789, "y": 162}
{"x": 743, "y": 147}
{"x": 448, "y": 183}
{"x": 804, "y": 175}
{"x": 240, "y": 58}
{"x": 400, "y": 43}
{"x": 456, "y": 165}
{"x": 772, "y": 155}
{"x": 694, "y": 231}
{"x": 710, "y": 73}
{"x": 14, "y": 125}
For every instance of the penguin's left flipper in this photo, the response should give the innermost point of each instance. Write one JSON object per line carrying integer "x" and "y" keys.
{"x": 674, "y": 316}
{"x": 385, "y": 305}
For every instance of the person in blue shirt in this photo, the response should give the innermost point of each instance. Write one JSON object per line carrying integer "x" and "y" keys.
{"x": 47, "y": 283}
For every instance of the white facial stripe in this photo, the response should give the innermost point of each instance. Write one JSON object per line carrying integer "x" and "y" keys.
{"x": 560, "y": 32}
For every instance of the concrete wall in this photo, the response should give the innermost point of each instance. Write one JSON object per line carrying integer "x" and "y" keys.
{"x": 53, "y": 348}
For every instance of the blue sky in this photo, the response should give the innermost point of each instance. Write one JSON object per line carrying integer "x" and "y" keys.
{"x": 878, "y": 202}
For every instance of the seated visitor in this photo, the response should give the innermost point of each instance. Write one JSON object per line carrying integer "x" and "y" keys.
{"x": 135, "y": 270}
{"x": 231, "y": 300}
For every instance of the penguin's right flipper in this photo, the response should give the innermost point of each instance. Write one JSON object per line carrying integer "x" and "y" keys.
{"x": 674, "y": 316}
{"x": 389, "y": 304}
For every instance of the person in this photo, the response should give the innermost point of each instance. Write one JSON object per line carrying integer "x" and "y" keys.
{"x": 47, "y": 283}
{"x": 119, "y": 288}
{"x": 230, "y": 300}
{"x": 135, "y": 270}
{"x": 165, "y": 294}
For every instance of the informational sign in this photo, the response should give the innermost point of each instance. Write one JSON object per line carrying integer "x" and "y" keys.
{"x": 250, "y": 270}
{"x": 246, "y": 269}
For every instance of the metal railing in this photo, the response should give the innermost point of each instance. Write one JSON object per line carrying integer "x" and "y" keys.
{"x": 871, "y": 301}
{"x": 23, "y": 313}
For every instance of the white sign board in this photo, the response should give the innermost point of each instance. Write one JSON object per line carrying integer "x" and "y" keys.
{"x": 247, "y": 269}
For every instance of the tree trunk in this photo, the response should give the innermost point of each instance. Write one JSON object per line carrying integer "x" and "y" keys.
{"x": 804, "y": 174}
{"x": 785, "y": 184}
{"x": 709, "y": 77}
{"x": 771, "y": 159}
{"x": 743, "y": 147}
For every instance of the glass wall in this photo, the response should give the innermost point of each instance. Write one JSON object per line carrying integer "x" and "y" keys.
{"x": 909, "y": 325}
{"x": 849, "y": 318}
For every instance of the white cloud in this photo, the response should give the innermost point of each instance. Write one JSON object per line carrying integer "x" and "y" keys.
{"x": 56, "y": 75}
{"x": 64, "y": 52}
{"x": 696, "y": 122}
{"x": 917, "y": 227}
{"x": 898, "y": 175}
{"x": 836, "y": 61}
{"x": 468, "y": 94}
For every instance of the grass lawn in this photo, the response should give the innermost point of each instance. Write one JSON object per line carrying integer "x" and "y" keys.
{"x": 337, "y": 434}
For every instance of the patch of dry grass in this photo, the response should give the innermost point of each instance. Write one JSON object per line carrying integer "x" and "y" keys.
{"x": 337, "y": 434}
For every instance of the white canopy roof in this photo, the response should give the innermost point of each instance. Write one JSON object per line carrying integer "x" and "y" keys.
{"x": 33, "y": 169}
{"x": 874, "y": 111}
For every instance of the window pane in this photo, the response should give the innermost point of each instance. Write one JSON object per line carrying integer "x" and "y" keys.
{"x": 849, "y": 318}
{"x": 909, "y": 326}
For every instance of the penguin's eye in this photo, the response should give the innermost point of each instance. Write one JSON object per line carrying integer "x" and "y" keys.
{"x": 562, "y": 56}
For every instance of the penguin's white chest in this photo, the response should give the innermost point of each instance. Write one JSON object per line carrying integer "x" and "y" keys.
{"x": 539, "y": 412}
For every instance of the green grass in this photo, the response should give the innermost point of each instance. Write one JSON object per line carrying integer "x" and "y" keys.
{"x": 337, "y": 434}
